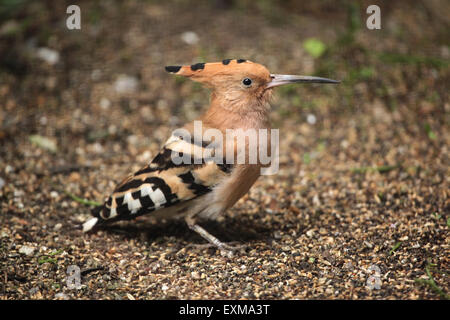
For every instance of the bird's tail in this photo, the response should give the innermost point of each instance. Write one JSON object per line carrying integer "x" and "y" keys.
{"x": 92, "y": 222}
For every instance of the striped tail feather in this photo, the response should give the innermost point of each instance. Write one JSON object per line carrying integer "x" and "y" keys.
{"x": 94, "y": 221}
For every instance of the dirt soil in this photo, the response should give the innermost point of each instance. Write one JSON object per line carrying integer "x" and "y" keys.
{"x": 359, "y": 209}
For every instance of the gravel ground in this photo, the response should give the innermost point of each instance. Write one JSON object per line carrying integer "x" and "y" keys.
{"x": 359, "y": 209}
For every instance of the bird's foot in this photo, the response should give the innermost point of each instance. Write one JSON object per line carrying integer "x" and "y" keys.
{"x": 232, "y": 246}
{"x": 225, "y": 249}
{"x": 228, "y": 250}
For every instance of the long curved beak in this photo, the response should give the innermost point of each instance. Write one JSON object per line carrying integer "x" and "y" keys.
{"x": 280, "y": 79}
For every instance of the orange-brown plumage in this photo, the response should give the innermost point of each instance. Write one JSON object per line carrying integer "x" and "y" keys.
{"x": 205, "y": 186}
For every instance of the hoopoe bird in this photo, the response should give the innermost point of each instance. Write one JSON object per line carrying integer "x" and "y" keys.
{"x": 202, "y": 187}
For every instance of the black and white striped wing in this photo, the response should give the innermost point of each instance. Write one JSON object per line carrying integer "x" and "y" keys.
{"x": 163, "y": 183}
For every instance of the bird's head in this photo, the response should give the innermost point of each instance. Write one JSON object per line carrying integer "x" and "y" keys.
{"x": 240, "y": 82}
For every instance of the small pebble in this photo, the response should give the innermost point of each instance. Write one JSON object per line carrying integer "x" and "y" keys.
{"x": 277, "y": 235}
{"x": 105, "y": 103}
{"x": 9, "y": 169}
{"x": 27, "y": 250}
{"x": 125, "y": 84}
{"x": 311, "y": 119}
{"x": 190, "y": 37}
{"x": 48, "y": 55}
{"x": 61, "y": 296}
{"x": 34, "y": 290}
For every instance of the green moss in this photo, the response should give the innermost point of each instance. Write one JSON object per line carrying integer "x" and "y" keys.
{"x": 430, "y": 132}
{"x": 314, "y": 47}
{"x": 354, "y": 18}
{"x": 46, "y": 259}
{"x": 361, "y": 74}
{"x": 306, "y": 158}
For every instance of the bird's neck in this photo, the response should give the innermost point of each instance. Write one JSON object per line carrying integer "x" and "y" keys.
{"x": 226, "y": 113}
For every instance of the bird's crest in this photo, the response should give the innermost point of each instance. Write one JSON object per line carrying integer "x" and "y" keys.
{"x": 209, "y": 69}
{"x": 221, "y": 74}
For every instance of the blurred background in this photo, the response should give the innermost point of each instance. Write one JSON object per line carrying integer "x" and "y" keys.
{"x": 80, "y": 109}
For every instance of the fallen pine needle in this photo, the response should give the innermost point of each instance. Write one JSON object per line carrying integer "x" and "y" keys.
{"x": 81, "y": 200}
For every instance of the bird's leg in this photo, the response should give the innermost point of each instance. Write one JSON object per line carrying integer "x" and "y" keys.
{"x": 209, "y": 237}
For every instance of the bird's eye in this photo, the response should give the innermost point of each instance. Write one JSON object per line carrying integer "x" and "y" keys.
{"x": 247, "y": 82}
